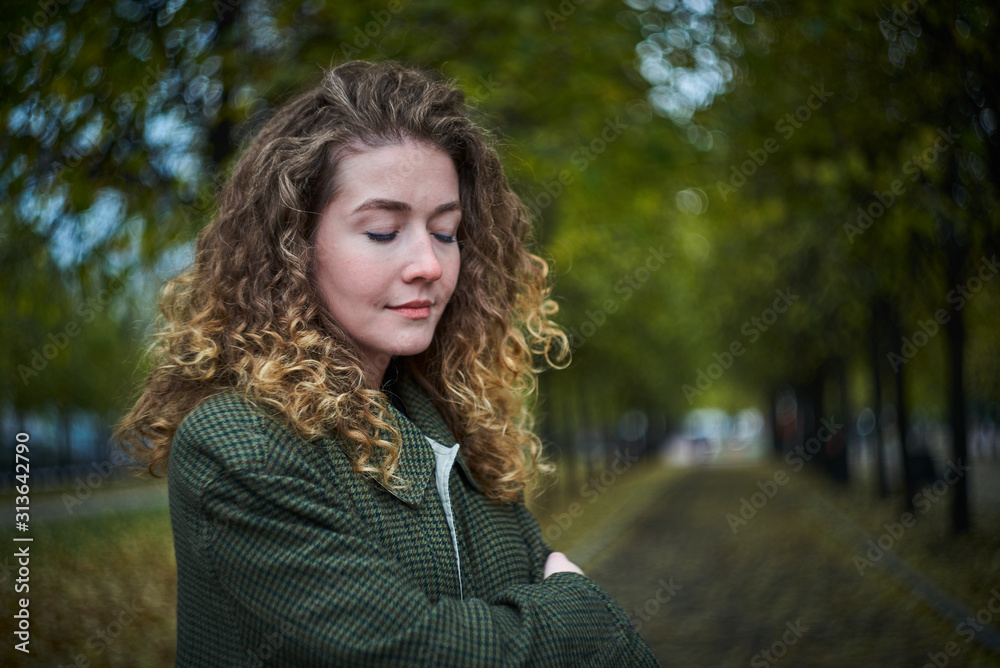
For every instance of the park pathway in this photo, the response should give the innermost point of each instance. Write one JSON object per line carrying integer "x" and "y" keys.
{"x": 783, "y": 589}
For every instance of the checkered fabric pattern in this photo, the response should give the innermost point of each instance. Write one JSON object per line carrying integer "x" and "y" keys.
{"x": 287, "y": 557}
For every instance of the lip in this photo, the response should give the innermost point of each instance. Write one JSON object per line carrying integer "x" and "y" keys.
{"x": 415, "y": 310}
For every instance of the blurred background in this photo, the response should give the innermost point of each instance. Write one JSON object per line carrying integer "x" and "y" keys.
{"x": 774, "y": 236}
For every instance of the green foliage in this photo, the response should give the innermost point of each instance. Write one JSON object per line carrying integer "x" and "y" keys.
{"x": 145, "y": 104}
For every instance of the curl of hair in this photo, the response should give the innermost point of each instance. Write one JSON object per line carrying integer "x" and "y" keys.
{"x": 246, "y": 315}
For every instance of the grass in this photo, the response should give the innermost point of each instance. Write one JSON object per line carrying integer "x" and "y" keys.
{"x": 103, "y": 592}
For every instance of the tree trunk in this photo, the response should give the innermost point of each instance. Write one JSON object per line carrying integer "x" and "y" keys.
{"x": 812, "y": 407}
{"x": 877, "y": 429}
{"x": 837, "y": 446}
{"x": 777, "y": 442}
{"x": 956, "y": 349}
{"x": 901, "y": 421}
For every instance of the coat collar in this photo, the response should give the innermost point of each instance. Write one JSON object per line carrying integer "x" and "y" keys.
{"x": 416, "y": 458}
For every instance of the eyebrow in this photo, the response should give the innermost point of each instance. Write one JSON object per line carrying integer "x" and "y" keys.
{"x": 396, "y": 205}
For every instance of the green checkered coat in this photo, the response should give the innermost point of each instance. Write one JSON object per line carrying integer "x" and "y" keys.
{"x": 286, "y": 557}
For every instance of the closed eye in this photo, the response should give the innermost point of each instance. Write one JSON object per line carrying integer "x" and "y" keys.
{"x": 445, "y": 238}
{"x": 375, "y": 236}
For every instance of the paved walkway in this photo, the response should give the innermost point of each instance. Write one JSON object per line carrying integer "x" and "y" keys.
{"x": 783, "y": 589}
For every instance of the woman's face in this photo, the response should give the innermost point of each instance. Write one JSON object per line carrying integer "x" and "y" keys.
{"x": 386, "y": 256}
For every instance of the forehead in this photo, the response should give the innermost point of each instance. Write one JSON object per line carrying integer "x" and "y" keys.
{"x": 411, "y": 169}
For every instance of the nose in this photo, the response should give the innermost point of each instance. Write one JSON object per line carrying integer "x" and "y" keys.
{"x": 422, "y": 262}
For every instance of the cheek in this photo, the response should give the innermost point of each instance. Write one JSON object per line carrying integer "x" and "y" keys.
{"x": 346, "y": 280}
{"x": 451, "y": 272}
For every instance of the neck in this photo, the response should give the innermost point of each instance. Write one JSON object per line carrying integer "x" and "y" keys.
{"x": 379, "y": 370}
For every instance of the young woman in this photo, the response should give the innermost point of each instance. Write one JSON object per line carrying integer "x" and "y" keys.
{"x": 338, "y": 398}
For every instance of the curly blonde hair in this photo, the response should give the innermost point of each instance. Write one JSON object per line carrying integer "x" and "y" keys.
{"x": 247, "y": 316}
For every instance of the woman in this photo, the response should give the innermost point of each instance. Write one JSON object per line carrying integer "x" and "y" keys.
{"x": 338, "y": 397}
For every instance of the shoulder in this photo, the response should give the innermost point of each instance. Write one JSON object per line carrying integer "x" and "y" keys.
{"x": 229, "y": 431}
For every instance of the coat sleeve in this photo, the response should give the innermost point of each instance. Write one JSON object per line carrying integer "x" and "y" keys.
{"x": 288, "y": 556}
{"x": 538, "y": 549}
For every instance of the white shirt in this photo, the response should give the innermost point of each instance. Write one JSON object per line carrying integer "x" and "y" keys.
{"x": 444, "y": 460}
